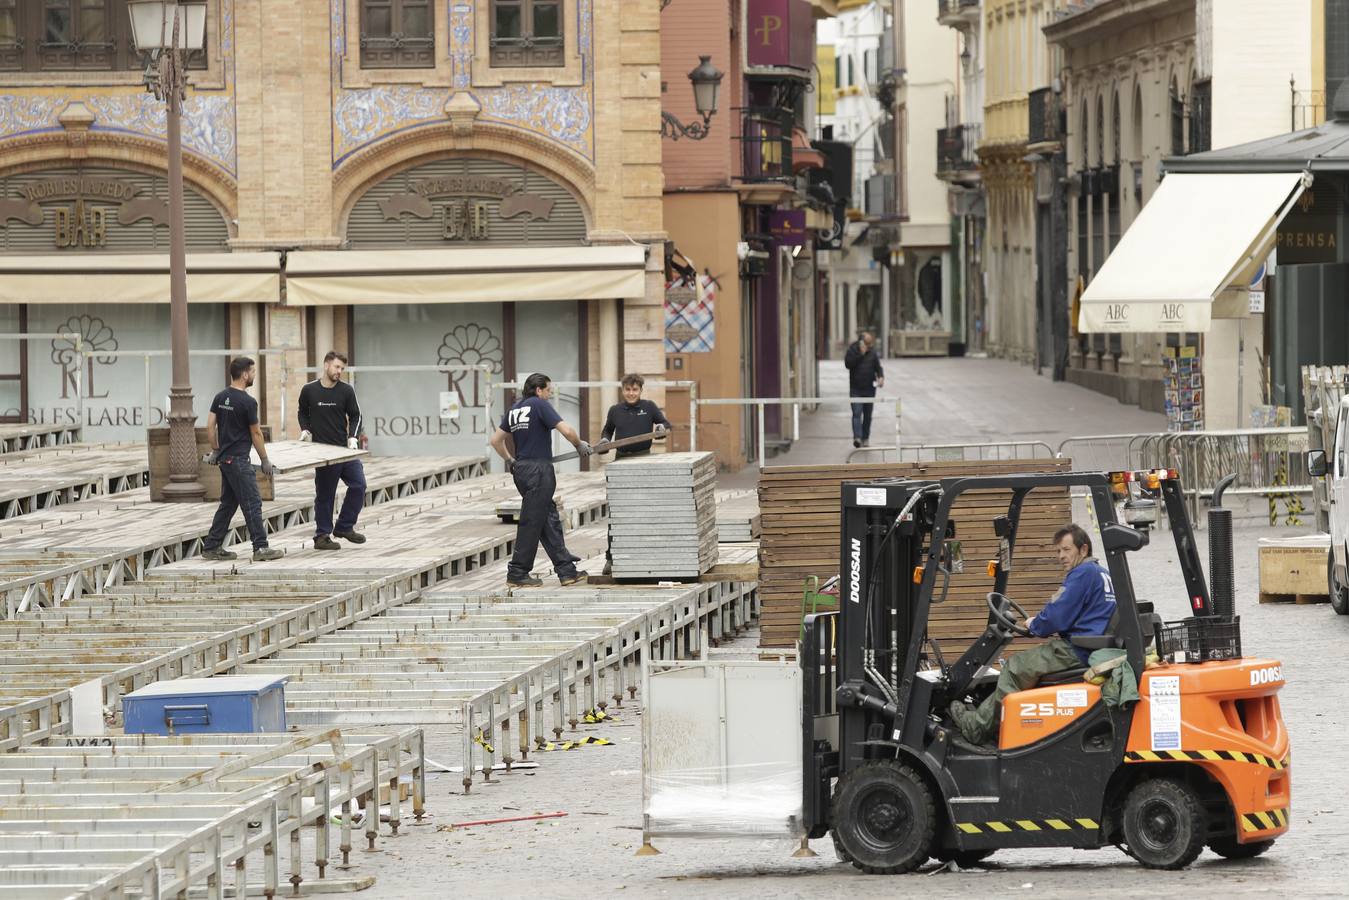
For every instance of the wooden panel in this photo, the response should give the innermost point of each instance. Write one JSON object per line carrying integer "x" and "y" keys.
{"x": 799, "y": 508}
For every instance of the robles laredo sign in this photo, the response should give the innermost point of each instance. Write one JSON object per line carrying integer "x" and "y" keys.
{"x": 84, "y": 207}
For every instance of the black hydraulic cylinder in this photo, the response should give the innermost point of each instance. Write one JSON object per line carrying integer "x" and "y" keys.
{"x": 1222, "y": 578}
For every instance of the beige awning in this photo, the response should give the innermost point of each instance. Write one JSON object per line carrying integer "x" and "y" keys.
{"x": 140, "y": 278}
{"x": 1196, "y": 235}
{"x": 464, "y": 275}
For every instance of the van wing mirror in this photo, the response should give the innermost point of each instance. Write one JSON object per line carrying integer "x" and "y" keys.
{"x": 1316, "y": 463}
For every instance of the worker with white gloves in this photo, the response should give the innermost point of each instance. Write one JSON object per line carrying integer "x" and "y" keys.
{"x": 329, "y": 414}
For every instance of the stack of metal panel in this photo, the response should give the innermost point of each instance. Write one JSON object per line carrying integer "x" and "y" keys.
{"x": 662, "y": 515}
{"x": 737, "y": 517}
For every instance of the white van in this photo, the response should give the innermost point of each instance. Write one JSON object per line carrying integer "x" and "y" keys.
{"x": 1336, "y": 472}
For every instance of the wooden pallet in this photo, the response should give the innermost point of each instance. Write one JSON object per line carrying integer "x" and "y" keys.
{"x": 799, "y": 508}
{"x": 1299, "y": 599}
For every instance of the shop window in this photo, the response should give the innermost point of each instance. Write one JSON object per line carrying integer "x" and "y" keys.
{"x": 397, "y": 34}
{"x": 70, "y": 36}
{"x": 527, "y": 33}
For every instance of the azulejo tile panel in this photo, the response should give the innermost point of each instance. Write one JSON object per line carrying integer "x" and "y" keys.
{"x": 367, "y": 115}
{"x": 210, "y": 127}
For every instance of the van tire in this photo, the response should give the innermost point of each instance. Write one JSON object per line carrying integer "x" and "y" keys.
{"x": 1339, "y": 594}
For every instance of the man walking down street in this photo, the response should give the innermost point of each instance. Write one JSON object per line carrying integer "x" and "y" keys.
{"x": 233, "y": 427}
{"x": 632, "y": 417}
{"x": 523, "y": 440}
{"x": 329, "y": 414}
{"x": 864, "y": 376}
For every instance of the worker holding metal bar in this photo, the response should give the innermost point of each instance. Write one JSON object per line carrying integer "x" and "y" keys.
{"x": 233, "y": 426}
{"x": 329, "y": 414}
{"x": 524, "y": 442}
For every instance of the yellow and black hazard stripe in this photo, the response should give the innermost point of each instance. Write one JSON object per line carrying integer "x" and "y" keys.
{"x": 1264, "y": 821}
{"x": 1011, "y": 825}
{"x": 1205, "y": 756}
{"x": 588, "y": 741}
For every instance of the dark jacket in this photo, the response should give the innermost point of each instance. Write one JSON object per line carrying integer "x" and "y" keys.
{"x": 863, "y": 369}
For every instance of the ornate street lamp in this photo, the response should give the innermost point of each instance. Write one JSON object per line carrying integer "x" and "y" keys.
{"x": 166, "y": 32}
{"x": 706, "y": 80}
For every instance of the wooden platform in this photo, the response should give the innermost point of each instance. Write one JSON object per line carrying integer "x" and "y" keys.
{"x": 32, "y": 480}
{"x": 800, "y": 538}
{"x": 17, "y": 437}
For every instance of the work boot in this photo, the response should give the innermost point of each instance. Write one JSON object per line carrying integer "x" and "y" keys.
{"x": 573, "y": 578}
{"x": 218, "y": 553}
{"x": 966, "y": 720}
{"x": 866, "y": 442}
{"x": 262, "y": 554}
{"x": 326, "y": 542}
{"x": 354, "y": 536}
{"x": 527, "y": 581}
{"x": 856, "y": 443}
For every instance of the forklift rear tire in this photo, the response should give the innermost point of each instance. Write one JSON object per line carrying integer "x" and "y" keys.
{"x": 1339, "y": 594}
{"x": 1228, "y": 848}
{"x": 884, "y": 818}
{"x": 1164, "y": 824}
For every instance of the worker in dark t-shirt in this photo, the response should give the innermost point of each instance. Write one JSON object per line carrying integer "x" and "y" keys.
{"x": 233, "y": 428}
{"x": 632, "y": 417}
{"x": 329, "y": 414}
{"x": 524, "y": 440}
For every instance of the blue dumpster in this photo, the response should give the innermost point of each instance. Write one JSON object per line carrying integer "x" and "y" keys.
{"x": 226, "y": 704}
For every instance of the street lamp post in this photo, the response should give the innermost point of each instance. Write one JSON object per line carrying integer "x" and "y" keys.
{"x": 166, "y": 31}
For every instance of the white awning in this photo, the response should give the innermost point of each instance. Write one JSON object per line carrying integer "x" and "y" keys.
{"x": 464, "y": 275}
{"x": 1197, "y": 235}
{"x": 140, "y": 278}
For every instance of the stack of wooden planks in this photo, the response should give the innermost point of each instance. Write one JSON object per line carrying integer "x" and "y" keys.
{"x": 800, "y": 538}
{"x": 662, "y": 515}
{"x": 737, "y": 516}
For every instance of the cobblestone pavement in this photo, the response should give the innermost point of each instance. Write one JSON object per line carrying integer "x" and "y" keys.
{"x": 591, "y": 850}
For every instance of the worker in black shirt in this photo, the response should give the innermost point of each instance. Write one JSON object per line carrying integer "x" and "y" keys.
{"x": 329, "y": 414}
{"x": 632, "y": 417}
{"x": 233, "y": 426}
{"x": 524, "y": 441}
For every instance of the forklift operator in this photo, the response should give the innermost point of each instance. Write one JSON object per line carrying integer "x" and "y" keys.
{"x": 1084, "y": 605}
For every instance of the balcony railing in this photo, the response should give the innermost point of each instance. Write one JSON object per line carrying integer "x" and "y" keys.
{"x": 766, "y": 144}
{"x": 1308, "y": 108}
{"x": 956, "y": 149}
{"x": 1046, "y": 117}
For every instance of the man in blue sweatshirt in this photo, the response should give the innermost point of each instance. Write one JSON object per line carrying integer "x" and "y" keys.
{"x": 1082, "y": 606}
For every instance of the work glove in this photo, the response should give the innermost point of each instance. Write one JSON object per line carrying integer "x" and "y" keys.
{"x": 212, "y": 458}
{"x": 658, "y": 428}
{"x": 267, "y": 468}
{"x": 584, "y": 449}
{"x": 353, "y": 444}
{"x": 306, "y": 436}
{"x": 510, "y": 464}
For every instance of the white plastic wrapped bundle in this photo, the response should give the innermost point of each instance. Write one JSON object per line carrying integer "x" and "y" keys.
{"x": 757, "y": 798}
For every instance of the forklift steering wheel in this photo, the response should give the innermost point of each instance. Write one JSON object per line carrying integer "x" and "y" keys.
{"x": 1002, "y": 608}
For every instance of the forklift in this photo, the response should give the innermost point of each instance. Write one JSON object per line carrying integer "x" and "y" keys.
{"x": 1202, "y": 759}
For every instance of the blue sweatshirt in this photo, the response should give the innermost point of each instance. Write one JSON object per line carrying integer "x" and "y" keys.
{"x": 1083, "y": 606}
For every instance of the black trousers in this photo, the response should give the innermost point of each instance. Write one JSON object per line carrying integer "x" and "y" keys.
{"x": 536, "y": 481}
{"x": 238, "y": 488}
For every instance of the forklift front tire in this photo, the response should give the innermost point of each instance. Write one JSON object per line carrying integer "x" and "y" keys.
{"x": 883, "y": 818}
{"x": 1164, "y": 823}
{"x": 1228, "y": 848}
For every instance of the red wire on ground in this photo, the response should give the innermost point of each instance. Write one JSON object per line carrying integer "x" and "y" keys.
{"x": 556, "y": 815}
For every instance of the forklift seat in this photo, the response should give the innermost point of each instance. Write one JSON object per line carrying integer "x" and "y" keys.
{"x": 1148, "y": 622}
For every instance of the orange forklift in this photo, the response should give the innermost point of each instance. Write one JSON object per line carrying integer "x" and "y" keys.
{"x": 1202, "y": 759}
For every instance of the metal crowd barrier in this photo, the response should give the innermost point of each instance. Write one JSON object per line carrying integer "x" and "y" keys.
{"x": 597, "y": 671}
{"x": 761, "y": 403}
{"x": 1002, "y": 450}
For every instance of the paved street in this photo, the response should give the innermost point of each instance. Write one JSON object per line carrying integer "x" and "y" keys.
{"x": 592, "y": 849}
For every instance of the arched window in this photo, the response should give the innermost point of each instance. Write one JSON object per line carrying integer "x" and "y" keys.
{"x": 1136, "y": 139}
{"x": 1100, "y": 132}
{"x": 1177, "y": 120}
{"x": 1084, "y": 133}
{"x": 1115, "y": 128}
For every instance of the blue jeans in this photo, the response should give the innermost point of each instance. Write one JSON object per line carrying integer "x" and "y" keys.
{"x": 861, "y": 417}
{"x": 238, "y": 488}
{"x": 536, "y": 480}
{"x": 352, "y": 474}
